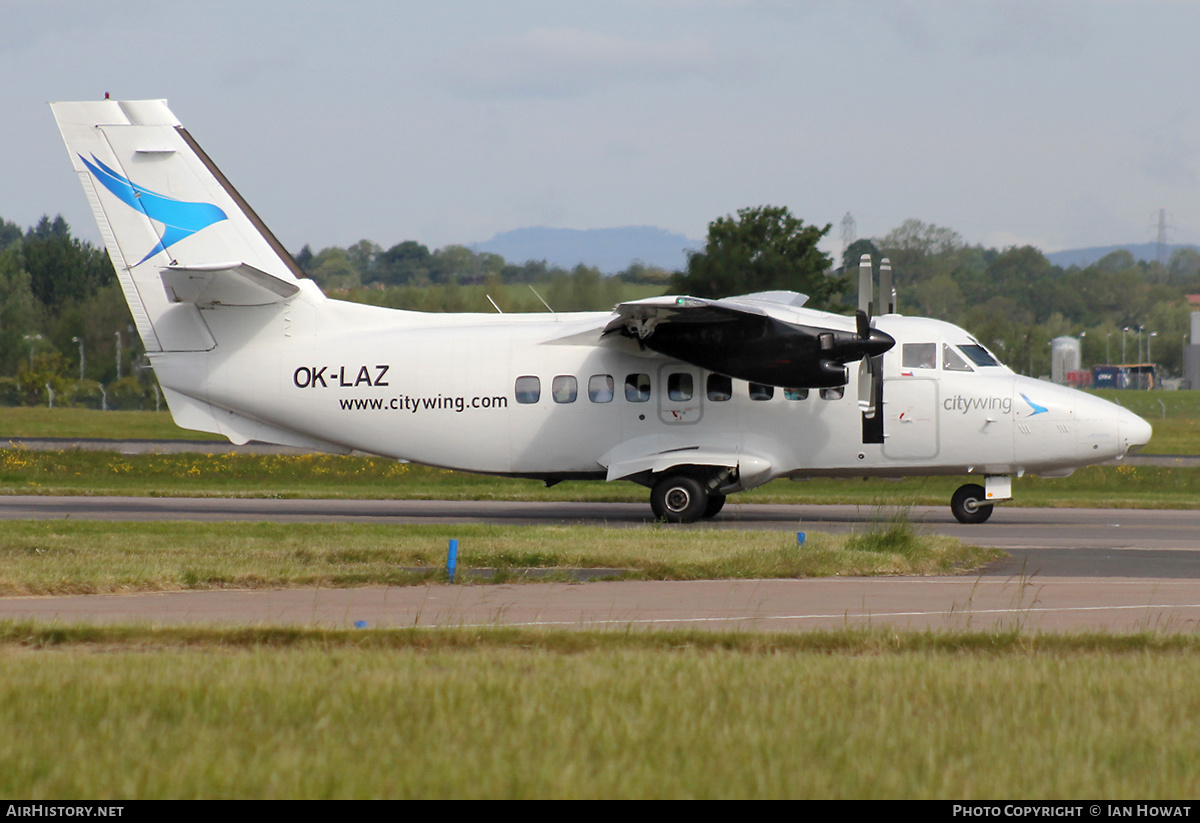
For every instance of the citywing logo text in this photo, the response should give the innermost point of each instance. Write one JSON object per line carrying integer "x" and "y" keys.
{"x": 966, "y": 405}
{"x": 179, "y": 218}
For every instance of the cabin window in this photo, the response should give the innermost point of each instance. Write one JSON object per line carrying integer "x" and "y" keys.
{"x": 637, "y": 388}
{"x": 952, "y": 360}
{"x": 679, "y": 386}
{"x": 529, "y": 389}
{"x": 796, "y": 394}
{"x": 719, "y": 387}
{"x": 836, "y": 393}
{"x": 760, "y": 392}
{"x": 565, "y": 388}
{"x": 600, "y": 388}
{"x": 920, "y": 356}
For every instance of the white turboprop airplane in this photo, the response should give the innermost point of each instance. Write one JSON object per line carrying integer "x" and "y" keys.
{"x": 693, "y": 398}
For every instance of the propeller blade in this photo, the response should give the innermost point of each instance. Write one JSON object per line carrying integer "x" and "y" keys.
{"x": 887, "y": 294}
{"x": 863, "y": 323}
{"x": 870, "y": 376}
{"x": 865, "y": 280}
{"x": 865, "y": 393}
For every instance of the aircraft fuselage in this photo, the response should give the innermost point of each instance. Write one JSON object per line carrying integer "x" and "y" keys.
{"x": 544, "y": 396}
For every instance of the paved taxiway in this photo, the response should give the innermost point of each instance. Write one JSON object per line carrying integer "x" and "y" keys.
{"x": 1069, "y": 569}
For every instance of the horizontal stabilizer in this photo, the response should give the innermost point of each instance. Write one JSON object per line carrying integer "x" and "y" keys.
{"x": 225, "y": 284}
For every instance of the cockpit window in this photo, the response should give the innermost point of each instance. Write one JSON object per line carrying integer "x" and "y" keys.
{"x": 920, "y": 356}
{"x": 952, "y": 360}
{"x": 979, "y": 355}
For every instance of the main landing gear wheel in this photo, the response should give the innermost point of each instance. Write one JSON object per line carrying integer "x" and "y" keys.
{"x": 716, "y": 502}
{"x": 967, "y": 504}
{"x": 679, "y": 499}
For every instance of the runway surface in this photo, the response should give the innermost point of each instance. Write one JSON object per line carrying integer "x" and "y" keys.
{"x": 1069, "y": 569}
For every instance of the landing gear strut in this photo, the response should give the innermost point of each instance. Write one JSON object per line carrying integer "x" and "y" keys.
{"x": 968, "y": 506}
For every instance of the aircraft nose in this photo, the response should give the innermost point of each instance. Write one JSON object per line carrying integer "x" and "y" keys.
{"x": 1133, "y": 431}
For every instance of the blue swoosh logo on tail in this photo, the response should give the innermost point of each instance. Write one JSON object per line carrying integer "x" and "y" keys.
{"x": 180, "y": 218}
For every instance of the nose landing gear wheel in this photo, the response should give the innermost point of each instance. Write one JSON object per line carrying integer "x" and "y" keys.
{"x": 678, "y": 499}
{"x": 968, "y": 506}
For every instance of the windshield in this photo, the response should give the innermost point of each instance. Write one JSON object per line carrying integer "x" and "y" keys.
{"x": 979, "y": 355}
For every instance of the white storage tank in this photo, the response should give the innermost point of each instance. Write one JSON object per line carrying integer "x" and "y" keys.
{"x": 1065, "y": 356}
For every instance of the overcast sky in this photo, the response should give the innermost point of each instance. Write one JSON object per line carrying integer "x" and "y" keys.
{"x": 1059, "y": 124}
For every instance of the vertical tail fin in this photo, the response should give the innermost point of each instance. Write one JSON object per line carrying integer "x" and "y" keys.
{"x": 179, "y": 235}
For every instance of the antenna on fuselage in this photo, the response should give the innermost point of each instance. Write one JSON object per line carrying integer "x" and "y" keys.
{"x": 539, "y": 297}
{"x": 494, "y": 306}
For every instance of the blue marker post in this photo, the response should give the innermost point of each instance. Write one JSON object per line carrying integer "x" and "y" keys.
{"x": 452, "y": 559}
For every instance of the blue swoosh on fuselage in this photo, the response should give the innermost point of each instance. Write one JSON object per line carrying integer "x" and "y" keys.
{"x": 180, "y": 218}
{"x": 1036, "y": 408}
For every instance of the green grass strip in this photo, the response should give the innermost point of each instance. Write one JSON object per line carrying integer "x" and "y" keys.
{"x": 38, "y": 635}
{"x": 122, "y": 713}
{"x": 86, "y": 557}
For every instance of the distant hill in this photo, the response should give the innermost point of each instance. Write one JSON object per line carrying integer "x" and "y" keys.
{"x": 1086, "y": 257}
{"x": 610, "y": 250}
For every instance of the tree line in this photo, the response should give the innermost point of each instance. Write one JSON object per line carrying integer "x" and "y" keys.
{"x": 1015, "y": 301}
{"x": 60, "y": 302}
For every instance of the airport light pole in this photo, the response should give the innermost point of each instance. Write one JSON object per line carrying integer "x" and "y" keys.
{"x": 80, "y": 342}
{"x": 1141, "y": 360}
{"x": 32, "y": 340}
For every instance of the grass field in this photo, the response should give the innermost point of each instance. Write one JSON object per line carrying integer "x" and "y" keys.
{"x": 131, "y": 712}
{"x": 88, "y": 557}
{"x": 28, "y": 421}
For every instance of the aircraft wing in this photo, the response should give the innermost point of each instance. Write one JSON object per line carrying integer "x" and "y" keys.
{"x": 766, "y": 337}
